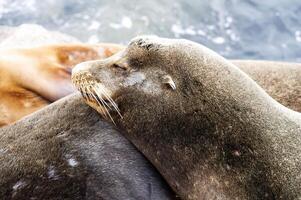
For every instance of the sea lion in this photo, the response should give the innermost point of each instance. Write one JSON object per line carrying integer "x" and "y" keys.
{"x": 209, "y": 129}
{"x": 281, "y": 80}
{"x": 65, "y": 151}
{"x": 110, "y": 180}
{"x": 31, "y": 78}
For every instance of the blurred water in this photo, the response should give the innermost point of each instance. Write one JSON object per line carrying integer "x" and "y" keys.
{"x": 253, "y": 29}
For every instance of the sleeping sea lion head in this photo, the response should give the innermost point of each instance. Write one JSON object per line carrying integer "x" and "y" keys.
{"x": 208, "y": 128}
{"x": 150, "y": 68}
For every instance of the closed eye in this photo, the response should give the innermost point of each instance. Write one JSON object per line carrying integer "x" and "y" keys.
{"x": 117, "y": 66}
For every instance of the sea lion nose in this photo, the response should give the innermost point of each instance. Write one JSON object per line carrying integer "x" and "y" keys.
{"x": 84, "y": 66}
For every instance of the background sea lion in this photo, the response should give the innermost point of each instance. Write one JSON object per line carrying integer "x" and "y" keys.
{"x": 35, "y": 67}
{"x": 209, "y": 129}
{"x": 31, "y": 78}
{"x": 281, "y": 80}
{"x": 66, "y": 151}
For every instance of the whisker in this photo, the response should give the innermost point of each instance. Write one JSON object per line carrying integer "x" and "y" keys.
{"x": 104, "y": 114}
{"x": 104, "y": 106}
{"x": 115, "y": 106}
{"x": 101, "y": 90}
{"x": 110, "y": 100}
{"x": 91, "y": 98}
{"x": 92, "y": 91}
{"x": 84, "y": 91}
{"x": 99, "y": 95}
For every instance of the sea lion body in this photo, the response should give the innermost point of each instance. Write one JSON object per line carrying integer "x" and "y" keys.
{"x": 281, "y": 80}
{"x": 31, "y": 78}
{"x": 210, "y": 130}
{"x": 65, "y": 151}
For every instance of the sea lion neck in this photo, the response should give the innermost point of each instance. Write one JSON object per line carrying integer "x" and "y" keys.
{"x": 214, "y": 81}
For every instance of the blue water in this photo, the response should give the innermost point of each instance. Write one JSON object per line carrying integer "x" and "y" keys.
{"x": 251, "y": 29}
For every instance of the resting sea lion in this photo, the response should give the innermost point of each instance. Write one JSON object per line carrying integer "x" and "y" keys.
{"x": 31, "y": 78}
{"x": 65, "y": 151}
{"x": 281, "y": 80}
{"x": 209, "y": 129}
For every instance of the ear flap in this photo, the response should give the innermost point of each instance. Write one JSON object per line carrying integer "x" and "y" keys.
{"x": 168, "y": 80}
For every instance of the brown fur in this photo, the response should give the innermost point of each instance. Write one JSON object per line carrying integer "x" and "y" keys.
{"x": 218, "y": 135}
{"x": 281, "y": 80}
{"x": 32, "y": 78}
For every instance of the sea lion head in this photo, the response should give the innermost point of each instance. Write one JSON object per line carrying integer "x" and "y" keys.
{"x": 150, "y": 69}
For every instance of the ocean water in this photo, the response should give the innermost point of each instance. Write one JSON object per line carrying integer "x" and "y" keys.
{"x": 245, "y": 29}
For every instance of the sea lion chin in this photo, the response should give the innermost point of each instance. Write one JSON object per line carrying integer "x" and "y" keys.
{"x": 209, "y": 129}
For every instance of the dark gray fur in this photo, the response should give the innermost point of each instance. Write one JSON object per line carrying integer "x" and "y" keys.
{"x": 34, "y": 155}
